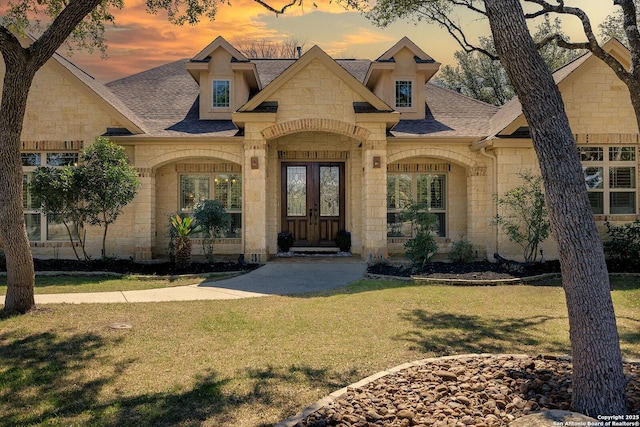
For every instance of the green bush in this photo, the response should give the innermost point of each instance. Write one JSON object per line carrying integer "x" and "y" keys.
{"x": 422, "y": 246}
{"x": 213, "y": 220}
{"x": 623, "y": 248}
{"x": 525, "y": 220}
{"x": 461, "y": 252}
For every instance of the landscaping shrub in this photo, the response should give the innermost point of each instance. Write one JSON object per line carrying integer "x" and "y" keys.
{"x": 213, "y": 220}
{"x": 623, "y": 248}
{"x": 461, "y": 252}
{"x": 422, "y": 246}
{"x": 525, "y": 220}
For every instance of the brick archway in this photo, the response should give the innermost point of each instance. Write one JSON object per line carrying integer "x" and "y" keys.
{"x": 309, "y": 125}
{"x": 437, "y": 153}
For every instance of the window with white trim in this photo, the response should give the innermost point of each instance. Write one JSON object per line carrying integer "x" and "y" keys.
{"x": 224, "y": 187}
{"x": 39, "y": 227}
{"x": 610, "y": 176}
{"x": 402, "y": 188}
{"x": 404, "y": 94}
{"x": 221, "y": 94}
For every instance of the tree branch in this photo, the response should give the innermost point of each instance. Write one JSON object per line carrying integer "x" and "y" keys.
{"x": 630, "y": 26}
{"x": 591, "y": 43}
{"x": 281, "y": 10}
{"x": 455, "y": 30}
{"x": 10, "y": 47}
{"x": 59, "y": 30}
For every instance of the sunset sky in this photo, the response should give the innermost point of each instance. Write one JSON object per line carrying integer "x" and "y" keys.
{"x": 141, "y": 41}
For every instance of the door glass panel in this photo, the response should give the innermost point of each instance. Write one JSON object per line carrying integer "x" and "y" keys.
{"x": 329, "y": 191}
{"x": 296, "y": 190}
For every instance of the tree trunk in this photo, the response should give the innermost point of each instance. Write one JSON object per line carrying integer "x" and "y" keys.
{"x": 598, "y": 380}
{"x": 13, "y": 232}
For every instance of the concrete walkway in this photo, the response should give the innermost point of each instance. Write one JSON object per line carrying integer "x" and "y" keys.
{"x": 274, "y": 278}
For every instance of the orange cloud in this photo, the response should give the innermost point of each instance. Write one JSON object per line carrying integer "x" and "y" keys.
{"x": 141, "y": 40}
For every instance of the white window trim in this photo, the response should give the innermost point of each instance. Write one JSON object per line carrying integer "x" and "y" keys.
{"x": 28, "y": 170}
{"x": 413, "y": 107}
{"x": 220, "y": 108}
{"x": 606, "y": 164}
{"x": 414, "y": 193}
{"x": 211, "y": 176}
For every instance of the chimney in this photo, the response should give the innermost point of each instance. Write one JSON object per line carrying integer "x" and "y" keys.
{"x": 299, "y": 49}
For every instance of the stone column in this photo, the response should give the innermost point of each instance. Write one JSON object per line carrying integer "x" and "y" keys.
{"x": 479, "y": 211}
{"x": 145, "y": 215}
{"x": 254, "y": 191}
{"x": 374, "y": 196}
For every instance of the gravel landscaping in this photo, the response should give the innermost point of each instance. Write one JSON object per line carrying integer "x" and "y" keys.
{"x": 481, "y": 391}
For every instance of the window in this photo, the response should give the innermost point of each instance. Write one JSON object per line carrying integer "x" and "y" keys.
{"x": 39, "y": 227}
{"x": 610, "y": 176}
{"x": 404, "y": 94}
{"x": 221, "y": 91}
{"x": 226, "y": 188}
{"x": 403, "y": 188}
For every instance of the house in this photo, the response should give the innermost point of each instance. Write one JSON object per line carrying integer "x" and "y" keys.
{"x": 314, "y": 145}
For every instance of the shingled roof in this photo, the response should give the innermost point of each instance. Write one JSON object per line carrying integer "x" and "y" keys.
{"x": 165, "y": 99}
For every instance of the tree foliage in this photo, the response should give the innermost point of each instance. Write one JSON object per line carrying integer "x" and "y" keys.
{"x": 525, "y": 219}
{"x": 478, "y": 76}
{"x": 58, "y": 194}
{"x": 482, "y": 77}
{"x": 422, "y": 246}
{"x": 612, "y": 26}
{"x": 107, "y": 183}
{"x": 94, "y": 192}
{"x": 212, "y": 220}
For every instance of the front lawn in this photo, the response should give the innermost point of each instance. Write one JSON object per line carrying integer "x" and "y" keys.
{"x": 73, "y": 283}
{"x": 253, "y": 362}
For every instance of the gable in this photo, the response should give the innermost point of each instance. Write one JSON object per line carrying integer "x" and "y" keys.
{"x": 315, "y": 84}
{"x": 314, "y": 91}
{"x": 596, "y": 100}
{"x": 65, "y": 104}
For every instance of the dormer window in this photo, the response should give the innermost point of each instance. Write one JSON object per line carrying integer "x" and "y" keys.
{"x": 404, "y": 94}
{"x": 221, "y": 93}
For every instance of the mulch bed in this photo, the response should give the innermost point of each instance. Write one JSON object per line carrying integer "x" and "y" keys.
{"x": 481, "y": 270}
{"x": 130, "y": 267}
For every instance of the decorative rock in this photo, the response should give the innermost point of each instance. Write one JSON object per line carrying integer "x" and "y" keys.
{"x": 446, "y": 375}
{"x": 477, "y": 391}
{"x": 405, "y": 413}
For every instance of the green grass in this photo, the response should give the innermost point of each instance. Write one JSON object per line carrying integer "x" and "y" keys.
{"x": 78, "y": 284}
{"x": 253, "y": 362}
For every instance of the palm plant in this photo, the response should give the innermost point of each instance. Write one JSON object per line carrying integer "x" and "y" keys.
{"x": 183, "y": 228}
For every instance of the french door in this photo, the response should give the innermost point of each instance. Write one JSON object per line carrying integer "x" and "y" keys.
{"x": 313, "y": 202}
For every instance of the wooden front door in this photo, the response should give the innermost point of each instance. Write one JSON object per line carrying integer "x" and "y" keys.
{"x": 313, "y": 202}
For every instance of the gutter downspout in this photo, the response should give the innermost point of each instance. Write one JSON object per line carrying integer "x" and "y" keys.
{"x": 494, "y": 190}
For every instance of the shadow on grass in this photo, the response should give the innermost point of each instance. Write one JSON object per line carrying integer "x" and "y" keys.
{"x": 41, "y": 377}
{"x": 47, "y": 379}
{"x": 447, "y": 334}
